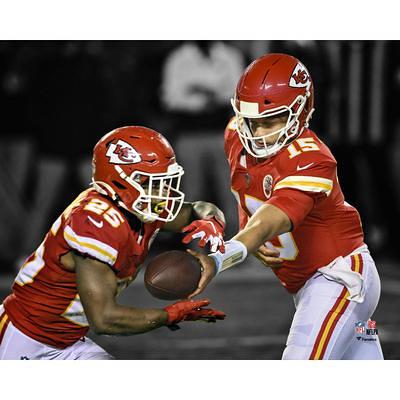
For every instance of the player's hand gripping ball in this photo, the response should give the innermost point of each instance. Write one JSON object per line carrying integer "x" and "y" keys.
{"x": 172, "y": 275}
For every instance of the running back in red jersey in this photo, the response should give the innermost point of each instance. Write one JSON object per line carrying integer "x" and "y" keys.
{"x": 93, "y": 226}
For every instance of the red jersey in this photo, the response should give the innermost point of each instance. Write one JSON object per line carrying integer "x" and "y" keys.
{"x": 45, "y": 303}
{"x": 301, "y": 180}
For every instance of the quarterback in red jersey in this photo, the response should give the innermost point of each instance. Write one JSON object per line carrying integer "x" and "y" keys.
{"x": 293, "y": 216}
{"x": 95, "y": 249}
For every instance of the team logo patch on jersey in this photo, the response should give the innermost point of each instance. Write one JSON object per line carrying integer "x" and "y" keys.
{"x": 267, "y": 185}
{"x": 122, "y": 153}
{"x": 300, "y": 77}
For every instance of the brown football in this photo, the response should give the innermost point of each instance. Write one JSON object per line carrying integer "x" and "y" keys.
{"x": 172, "y": 275}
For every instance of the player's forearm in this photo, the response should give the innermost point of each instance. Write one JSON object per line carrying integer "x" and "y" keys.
{"x": 122, "y": 320}
{"x": 205, "y": 210}
{"x": 267, "y": 223}
{"x": 192, "y": 211}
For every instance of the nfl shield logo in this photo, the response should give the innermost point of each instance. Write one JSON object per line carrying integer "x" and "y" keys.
{"x": 360, "y": 327}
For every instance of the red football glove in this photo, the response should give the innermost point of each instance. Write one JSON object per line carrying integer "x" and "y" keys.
{"x": 205, "y": 314}
{"x": 191, "y": 310}
{"x": 208, "y": 231}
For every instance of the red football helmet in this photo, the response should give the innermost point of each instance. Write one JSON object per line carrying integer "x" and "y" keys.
{"x": 136, "y": 167}
{"x": 273, "y": 85}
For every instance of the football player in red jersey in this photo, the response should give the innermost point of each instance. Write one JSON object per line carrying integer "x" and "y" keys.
{"x": 95, "y": 249}
{"x": 293, "y": 215}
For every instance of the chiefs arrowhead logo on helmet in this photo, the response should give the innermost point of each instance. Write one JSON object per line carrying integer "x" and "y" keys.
{"x": 300, "y": 77}
{"x": 122, "y": 153}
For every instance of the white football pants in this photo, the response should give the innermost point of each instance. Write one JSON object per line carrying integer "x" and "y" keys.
{"x": 324, "y": 324}
{"x": 15, "y": 345}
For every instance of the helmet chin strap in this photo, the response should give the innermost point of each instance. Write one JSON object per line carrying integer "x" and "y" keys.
{"x": 156, "y": 210}
{"x": 268, "y": 151}
{"x": 144, "y": 218}
{"x": 141, "y": 217}
{"x": 262, "y": 152}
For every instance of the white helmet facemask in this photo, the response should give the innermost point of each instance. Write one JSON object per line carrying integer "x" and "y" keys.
{"x": 159, "y": 196}
{"x": 258, "y": 146}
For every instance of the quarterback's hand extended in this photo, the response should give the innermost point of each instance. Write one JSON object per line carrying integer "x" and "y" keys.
{"x": 192, "y": 310}
{"x": 208, "y": 271}
{"x": 269, "y": 257}
{"x": 208, "y": 231}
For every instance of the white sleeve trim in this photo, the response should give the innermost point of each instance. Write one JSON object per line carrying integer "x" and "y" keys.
{"x": 99, "y": 250}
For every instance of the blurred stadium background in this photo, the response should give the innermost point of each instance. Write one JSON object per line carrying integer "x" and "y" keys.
{"x": 59, "y": 98}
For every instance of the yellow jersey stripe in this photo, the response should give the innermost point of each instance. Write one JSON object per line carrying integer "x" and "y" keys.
{"x": 305, "y": 184}
{"x": 90, "y": 246}
{"x": 306, "y": 187}
{"x": 306, "y": 178}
